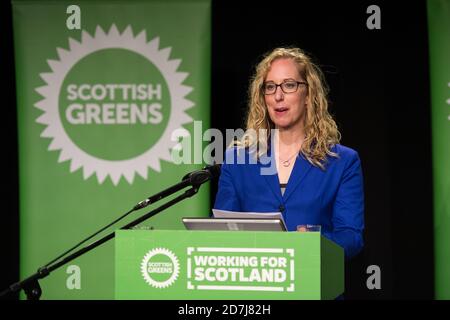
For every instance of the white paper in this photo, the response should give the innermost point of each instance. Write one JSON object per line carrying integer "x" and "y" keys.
{"x": 247, "y": 215}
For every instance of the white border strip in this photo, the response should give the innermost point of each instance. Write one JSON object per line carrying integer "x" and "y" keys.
{"x": 189, "y": 272}
{"x": 268, "y": 250}
{"x": 292, "y": 270}
{"x": 239, "y": 288}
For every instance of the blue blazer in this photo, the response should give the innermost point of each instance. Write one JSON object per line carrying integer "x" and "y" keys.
{"x": 332, "y": 198}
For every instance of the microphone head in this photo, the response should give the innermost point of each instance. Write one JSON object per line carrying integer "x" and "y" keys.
{"x": 199, "y": 177}
{"x": 214, "y": 170}
{"x": 186, "y": 176}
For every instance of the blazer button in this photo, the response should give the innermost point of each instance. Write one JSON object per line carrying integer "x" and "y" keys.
{"x": 281, "y": 208}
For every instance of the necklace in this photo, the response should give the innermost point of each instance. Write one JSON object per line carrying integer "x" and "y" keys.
{"x": 287, "y": 162}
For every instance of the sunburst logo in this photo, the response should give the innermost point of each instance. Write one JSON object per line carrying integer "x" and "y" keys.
{"x": 160, "y": 268}
{"x": 111, "y": 102}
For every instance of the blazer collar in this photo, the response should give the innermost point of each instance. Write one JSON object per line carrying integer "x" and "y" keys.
{"x": 301, "y": 168}
{"x": 270, "y": 177}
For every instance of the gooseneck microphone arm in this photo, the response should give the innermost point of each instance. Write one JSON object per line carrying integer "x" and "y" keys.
{"x": 194, "y": 179}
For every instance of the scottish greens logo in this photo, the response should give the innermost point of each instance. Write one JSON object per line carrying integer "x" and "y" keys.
{"x": 160, "y": 268}
{"x": 111, "y": 102}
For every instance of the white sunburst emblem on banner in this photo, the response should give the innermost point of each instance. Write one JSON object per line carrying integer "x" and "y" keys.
{"x": 79, "y": 158}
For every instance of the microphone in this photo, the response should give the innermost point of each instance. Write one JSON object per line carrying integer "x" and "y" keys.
{"x": 214, "y": 170}
{"x": 194, "y": 178}
{"x": 207, "y": 173}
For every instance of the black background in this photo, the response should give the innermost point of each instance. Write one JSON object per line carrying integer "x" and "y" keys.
{"x": 379, "y": 96}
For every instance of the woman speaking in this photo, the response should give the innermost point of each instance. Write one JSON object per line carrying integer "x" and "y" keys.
{"x": 315, "y": 179}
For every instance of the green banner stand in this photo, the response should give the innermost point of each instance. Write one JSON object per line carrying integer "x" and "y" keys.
{"x": 224, "y": 265}
{"x": 100, "y": 107}
{"x": 439, "y": 52}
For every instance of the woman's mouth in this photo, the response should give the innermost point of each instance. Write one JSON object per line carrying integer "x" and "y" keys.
{"x": 281, "y": 110}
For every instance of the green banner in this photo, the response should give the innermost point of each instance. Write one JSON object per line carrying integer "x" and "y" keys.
{"x": 439, "y": 38}
{"x": 101, "y": 88}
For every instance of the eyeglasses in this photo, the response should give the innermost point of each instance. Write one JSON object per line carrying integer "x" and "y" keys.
{"x": 287, "y": 86}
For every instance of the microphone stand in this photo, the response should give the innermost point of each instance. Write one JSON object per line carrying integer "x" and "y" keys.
{"x": 31, "y": 285}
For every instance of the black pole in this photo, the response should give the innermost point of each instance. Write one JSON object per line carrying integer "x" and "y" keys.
{"x": 31, "y": 284}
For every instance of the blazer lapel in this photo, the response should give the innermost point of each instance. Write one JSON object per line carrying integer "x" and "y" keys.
{"x": 271, "y": 179}
{"x": 301, "y": 168}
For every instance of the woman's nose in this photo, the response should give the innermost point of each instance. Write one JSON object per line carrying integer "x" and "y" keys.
{"x": 279, "y": 94}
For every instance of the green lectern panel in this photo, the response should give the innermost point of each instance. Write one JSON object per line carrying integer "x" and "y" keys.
{"x": 226, "y": 265}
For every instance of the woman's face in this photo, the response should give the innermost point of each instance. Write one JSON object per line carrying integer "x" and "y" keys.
{"x": 286, "y": 110}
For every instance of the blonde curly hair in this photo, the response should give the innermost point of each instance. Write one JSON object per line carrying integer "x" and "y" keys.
{"x": 321, "y": 131}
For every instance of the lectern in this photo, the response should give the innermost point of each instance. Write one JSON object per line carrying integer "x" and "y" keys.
{"x": 191, "y": 265}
